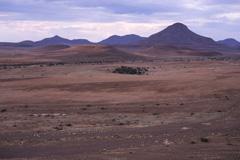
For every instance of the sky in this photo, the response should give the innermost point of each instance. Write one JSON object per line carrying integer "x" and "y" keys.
{"x": 96, "y": 20}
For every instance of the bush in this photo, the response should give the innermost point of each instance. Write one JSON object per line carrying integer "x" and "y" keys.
{"x": 130, "y": 70}
{"x": 89, "y": 105}
{"x": 50, "y": 64}
{"x": 3, "y": 110}
{"x": 204, "y": 140}
{"x": 69, "y": 125}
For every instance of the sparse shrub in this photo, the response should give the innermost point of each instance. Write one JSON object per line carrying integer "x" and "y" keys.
{"x": 103, "y": 108}
{"x": 193, "y": 142}
{"x": 204, "y": 140}
{"x": 69, "y": 125}
{"x": 84, "y": 108}
{"x": 50, "y": 64}
{"x": 155, "y": 114}
{"x": 121, "y": 124}
{"x": 58, "y": 128}
{"x": 89, "y": 105}
{"x": 117, "y": 136}
{"x": 60, "y": 63}
{"x": 3, "y": 110}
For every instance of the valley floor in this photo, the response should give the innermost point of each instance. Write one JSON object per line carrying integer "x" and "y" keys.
{"x": 177, "y": 110}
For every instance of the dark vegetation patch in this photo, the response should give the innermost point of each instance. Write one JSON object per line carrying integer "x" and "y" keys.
{"x": 69, "y": 125}
{"x": 58, "y": 128}
{"x": 3, "y": 110}
{"x": 204, "y": 140}
{"x": 155, "y": 114}
{"x": 130, "y": 70}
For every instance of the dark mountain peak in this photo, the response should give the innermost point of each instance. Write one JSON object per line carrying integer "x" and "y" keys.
{"x": 56, "y": 36}
{"x": 177, "y": 28}
{"x": 178, "y": 25}
{"x": 133, "y": 36}
{"x": 177, "y": 34}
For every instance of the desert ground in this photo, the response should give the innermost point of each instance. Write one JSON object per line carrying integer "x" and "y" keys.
{"x": 182, "y": 108}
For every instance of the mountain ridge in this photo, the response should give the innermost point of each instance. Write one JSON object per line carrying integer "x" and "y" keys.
{"x": 176, "y": 34}
{"x": 126, "y": 39}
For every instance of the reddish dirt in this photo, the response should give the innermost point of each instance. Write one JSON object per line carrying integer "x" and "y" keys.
{"x": 83, "y": 111}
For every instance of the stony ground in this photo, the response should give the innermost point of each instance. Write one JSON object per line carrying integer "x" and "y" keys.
{"x": 177, "y": 110}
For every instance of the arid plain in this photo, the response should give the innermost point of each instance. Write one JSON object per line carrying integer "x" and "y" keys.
{"x": 182, "y": 108}
{"x": 177, "y": 99}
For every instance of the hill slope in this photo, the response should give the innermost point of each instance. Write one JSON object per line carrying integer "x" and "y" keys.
{"x": 169, "y": 50}
{"x": 84, "y": 53}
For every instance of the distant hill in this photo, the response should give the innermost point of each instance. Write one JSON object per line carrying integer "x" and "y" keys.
{"x": 56, "y": 40}
{"x": 230, "y": 42}
{"x": 115, "y": 39}
{"x": 13, "y": 45}
{"x": 59, "y": 40}
{"x": 80, "y": 53}
{"x": 178, "y": 35}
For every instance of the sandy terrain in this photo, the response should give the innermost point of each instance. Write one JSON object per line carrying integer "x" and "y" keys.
{"x": 83, "y": 111}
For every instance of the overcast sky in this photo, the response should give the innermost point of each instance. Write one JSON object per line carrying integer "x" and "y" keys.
{"x": 96, "y": 20}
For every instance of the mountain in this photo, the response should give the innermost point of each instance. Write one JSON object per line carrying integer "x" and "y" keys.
{"x": 56, "y": 40}
{"x": 178, "y": 35}
{"x": 230, "y": 42}
{"x": 115, "y": 39}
